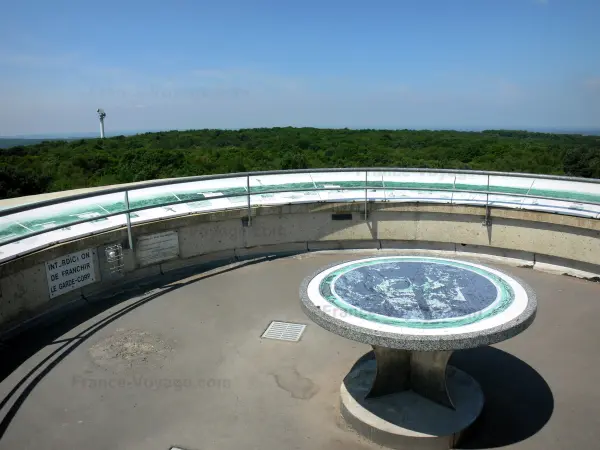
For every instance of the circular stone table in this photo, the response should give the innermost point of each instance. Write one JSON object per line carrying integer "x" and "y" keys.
{"x": 414, "y": 311}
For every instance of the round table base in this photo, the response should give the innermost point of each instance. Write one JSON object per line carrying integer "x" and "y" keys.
{"x": 406, "y": 420}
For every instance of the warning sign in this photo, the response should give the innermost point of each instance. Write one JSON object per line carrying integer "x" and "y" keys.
{"x": 71, "y": 272}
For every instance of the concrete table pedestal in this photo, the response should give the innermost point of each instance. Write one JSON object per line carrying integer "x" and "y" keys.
{"x": 414, "y": 312}
{"x": 402, "y": 370}
{"x": 434, "y": 414}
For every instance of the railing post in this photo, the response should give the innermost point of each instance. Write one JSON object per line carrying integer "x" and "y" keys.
{"x": 529, "y": 190}
{"x": 487, "y": 221}
{"x": 128, "y": 215}
{"x": 366, "y": 180}
{"x": 453, "y": 189}
{"x": 248, "y": 196}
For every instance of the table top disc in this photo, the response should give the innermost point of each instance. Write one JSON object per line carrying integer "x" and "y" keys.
{"x": 408, "y": 301}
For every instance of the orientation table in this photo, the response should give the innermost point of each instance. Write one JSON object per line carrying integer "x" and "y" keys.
{"x": 415, "y": 311}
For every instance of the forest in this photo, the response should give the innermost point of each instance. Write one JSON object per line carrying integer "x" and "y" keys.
{"x": 60, "y": 165}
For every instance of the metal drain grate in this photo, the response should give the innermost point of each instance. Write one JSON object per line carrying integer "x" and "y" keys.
{"x": 284, "y": 331}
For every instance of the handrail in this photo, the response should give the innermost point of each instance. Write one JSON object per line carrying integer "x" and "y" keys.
{"x": 358, "y": 184}
{"x": 182, "y": 180}
{"x": 216, "y": 197}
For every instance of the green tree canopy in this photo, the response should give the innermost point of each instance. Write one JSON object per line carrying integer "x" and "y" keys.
{"x": 59, "y": 165}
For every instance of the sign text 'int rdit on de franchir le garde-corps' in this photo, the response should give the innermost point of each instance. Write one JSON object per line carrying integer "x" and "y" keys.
{"x": 70, "y": 272}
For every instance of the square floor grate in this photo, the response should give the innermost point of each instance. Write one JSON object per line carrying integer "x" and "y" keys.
{"x": 284, "y": 331}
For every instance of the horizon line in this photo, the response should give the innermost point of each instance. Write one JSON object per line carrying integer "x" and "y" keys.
{"x": 90, "y": 134}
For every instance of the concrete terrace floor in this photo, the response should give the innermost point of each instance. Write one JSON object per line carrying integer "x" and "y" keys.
{"x": 184, "y": 365}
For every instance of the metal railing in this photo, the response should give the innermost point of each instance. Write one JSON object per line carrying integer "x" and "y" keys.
{"x": 580, "y": 191}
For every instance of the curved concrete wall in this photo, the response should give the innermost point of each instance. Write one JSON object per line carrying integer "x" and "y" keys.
{"x": 546, "y": 241}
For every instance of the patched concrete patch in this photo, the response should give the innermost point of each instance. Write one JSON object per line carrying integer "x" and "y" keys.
{"x": 127, "y": 350}
{"x": 298, "y": 386}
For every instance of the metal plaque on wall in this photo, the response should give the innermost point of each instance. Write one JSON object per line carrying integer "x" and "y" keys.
{"x": 158, "y": 247}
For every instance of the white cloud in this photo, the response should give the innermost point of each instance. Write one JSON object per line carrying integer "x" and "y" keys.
{"x": 593, "y": 83}
{"x": 218, "y": 74}
{"x": 35, "y": 60}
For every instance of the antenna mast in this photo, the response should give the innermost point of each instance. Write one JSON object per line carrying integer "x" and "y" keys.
{"x": 101, "y": 116}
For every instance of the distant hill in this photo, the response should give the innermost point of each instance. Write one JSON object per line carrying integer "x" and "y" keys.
{"x": 32, "y": 139}
{"x": 581, "y": 131}
{"x": 37, "y": 138}
{"x": 14, "y": 142}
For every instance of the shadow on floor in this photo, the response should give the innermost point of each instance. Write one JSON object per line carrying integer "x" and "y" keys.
{"x": 518, "y": 401}
{"x": 18, "y": 349}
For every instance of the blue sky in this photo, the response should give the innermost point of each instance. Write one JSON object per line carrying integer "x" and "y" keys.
{"x": 330, "y": 63}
